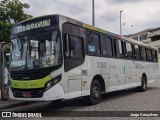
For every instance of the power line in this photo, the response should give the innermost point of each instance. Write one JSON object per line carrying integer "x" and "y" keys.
{"x": 124, "y": 23}
{"x": 72, "y": 6}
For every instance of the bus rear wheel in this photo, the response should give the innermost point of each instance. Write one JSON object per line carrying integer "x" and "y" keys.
{"x": 143, "y": 86}
{"x": 95, "y": 93}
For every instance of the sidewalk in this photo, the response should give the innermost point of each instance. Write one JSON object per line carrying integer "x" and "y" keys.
{"x": 9, "y": 103}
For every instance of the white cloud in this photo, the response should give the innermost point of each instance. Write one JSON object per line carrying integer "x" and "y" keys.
{"x": 142, "y": 13}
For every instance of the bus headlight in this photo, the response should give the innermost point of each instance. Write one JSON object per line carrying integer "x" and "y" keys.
{"x": 49, "y": 84}
{"x": 53, "y": 82}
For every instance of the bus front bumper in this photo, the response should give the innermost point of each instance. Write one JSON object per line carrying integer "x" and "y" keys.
{"x": 54, "y": 93}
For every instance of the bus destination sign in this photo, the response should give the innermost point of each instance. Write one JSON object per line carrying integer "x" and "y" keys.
{"x": 33, "y": 25}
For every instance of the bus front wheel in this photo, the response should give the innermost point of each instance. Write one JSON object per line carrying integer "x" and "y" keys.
{"x": 95, "y": 92}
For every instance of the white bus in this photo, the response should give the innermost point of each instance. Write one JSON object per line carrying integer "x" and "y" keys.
{"x": 54, "y": 57}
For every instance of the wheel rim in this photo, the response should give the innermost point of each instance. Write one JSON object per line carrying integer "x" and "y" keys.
{"x": 95, "y": 91}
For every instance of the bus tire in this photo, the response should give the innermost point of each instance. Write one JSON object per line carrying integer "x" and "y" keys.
{"x": 95, "y": 92}
{"x": 143, "y": 86}
{"x": 56, "y": 101}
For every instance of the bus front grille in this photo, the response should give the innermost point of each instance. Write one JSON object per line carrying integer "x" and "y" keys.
{"x": 33, "y": 93}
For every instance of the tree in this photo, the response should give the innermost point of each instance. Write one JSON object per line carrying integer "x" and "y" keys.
{"x": 11, "y": 12}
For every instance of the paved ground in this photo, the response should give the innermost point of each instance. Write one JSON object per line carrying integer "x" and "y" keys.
{"x": 127, "y": 100}
{"x": 8, "y": 103}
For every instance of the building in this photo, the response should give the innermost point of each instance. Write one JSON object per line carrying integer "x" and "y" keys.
{"x": 149, "y": 36}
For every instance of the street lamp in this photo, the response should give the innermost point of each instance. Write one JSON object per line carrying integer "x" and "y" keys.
{"x": 120, "y": 23}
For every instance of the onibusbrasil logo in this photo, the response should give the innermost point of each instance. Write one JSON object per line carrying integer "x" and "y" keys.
{"x": 18, "y": 114}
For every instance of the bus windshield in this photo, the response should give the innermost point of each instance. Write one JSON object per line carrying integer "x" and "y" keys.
{"x": 36, "y": 51}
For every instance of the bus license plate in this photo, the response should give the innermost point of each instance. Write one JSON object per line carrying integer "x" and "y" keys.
{"x": 26, "y": 94}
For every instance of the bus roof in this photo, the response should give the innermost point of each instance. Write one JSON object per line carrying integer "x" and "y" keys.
{"x": 108, "y": 33}
{"x": 33, "y": 18}
{"x": 71, "y": 20}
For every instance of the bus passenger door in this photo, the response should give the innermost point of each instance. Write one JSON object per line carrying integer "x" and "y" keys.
{"x": 73, "y": 64}
{"x": 116, "y": 78}
{"x": 131, "y": 75}
{"x": 137, "y": 64}
{"x": 115, "y": 66}
{"x": 120, "y": 65}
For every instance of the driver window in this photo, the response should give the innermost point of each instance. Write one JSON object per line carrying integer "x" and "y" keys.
{"x": 76, "y": 47}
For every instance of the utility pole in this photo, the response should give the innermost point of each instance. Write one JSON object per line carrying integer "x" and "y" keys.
{"x": 93, "y": 22}
{"x": 121, "y": 23}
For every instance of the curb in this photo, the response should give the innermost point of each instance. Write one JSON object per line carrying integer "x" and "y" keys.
{"x": 13, "y": 105}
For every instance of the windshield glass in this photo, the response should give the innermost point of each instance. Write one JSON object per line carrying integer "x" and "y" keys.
{"x": 36, "y": 51}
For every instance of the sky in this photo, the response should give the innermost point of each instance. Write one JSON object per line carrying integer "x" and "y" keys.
{"x": 137, "y": 15}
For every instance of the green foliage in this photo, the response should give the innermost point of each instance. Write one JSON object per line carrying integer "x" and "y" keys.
{"x": 11, "y": 12}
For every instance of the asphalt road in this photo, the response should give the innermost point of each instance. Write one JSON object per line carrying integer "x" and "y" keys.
{"x": 126, "y": 100}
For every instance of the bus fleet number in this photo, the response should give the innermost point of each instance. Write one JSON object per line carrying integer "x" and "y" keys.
{"x": 101, "y": 65}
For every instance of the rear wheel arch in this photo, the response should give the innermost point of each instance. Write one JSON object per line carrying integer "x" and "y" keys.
{"x": 97, "y": 86}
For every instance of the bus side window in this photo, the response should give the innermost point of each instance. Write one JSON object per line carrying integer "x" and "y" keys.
{"x": 128, "y": 50}
{"x": 143, "y": 53}
{"x": 93, "y": 46}
{"x": 133, "y": 52}
{"x": 119, "y": 49}
{"x": 97, "y": 43}
{"x": 140, "y": 56}
{"x": 149, "y": 55}
{"x": 90, "y": 43}
{"x": 114, "y": 48}
{"x": 76, "y": 47}
{"x": 109, "y": 46}
{"x": 123, "y": 48}
{"x": 146, "y": 53}
{"x": 154, "y": 55}
{"x": 106, "y": 46}
{"x": 137, "y": 52}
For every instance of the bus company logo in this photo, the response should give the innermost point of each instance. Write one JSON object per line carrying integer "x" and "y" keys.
{"x": 17, "y": 114}
{"x": 6, "y": 114}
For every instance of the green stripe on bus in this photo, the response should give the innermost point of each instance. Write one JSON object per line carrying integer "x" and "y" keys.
{"x": 30, "y": 84}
